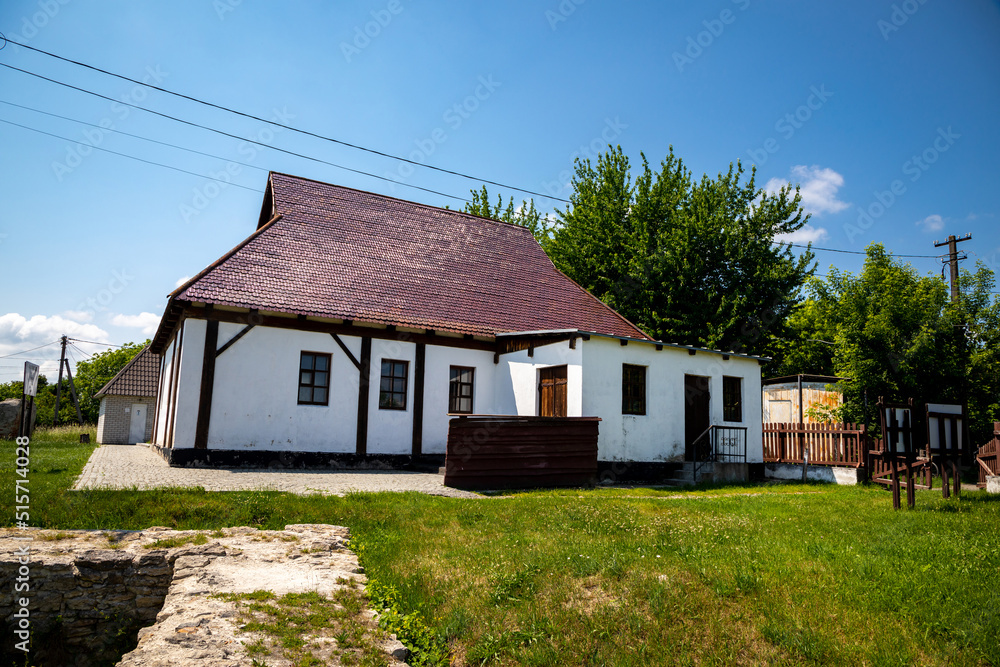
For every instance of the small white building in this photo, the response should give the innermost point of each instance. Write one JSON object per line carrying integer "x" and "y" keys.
{"x": 351, "y": 325}
{"x": 127, "y": 401}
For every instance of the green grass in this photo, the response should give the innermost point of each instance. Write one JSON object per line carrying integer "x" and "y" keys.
{"x": 738, "y": 575}
{"x": 309, "y": 629}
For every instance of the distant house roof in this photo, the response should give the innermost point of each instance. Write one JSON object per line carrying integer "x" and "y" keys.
{"x": 139, "y": 377}
{"x": 328, "y": 251}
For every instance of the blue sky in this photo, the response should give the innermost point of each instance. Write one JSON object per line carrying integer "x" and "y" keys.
{"x": 884, "y": 111}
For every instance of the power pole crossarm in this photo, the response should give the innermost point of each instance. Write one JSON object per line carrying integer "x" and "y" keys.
{"x": 953, "y": 258}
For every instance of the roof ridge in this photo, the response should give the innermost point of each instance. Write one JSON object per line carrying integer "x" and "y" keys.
{"x": 402, "y": 201}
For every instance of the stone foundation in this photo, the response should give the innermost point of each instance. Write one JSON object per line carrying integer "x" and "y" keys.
{"x": 90, "y": 592}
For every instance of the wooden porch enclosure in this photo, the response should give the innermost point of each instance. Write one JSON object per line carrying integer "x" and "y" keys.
{"x": 829, "y": 444}
{"x": 988, "y": 458}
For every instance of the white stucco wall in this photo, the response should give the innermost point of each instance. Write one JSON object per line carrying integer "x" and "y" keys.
{"x": 437, "y": 376}
{"x": 189, "y": 378}
{"x": 256, "y": 388}
{"x": 255, "y": 399}
{"x": 659, "y": 434}
{"x": 517, "y": 379}
{"x": 166, "y": 379}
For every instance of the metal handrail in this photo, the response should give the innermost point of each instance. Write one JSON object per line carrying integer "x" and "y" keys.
{"x": 713, "y": 449}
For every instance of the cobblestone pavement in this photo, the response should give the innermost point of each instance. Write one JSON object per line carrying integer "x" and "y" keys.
{"x": 128, "y": 466}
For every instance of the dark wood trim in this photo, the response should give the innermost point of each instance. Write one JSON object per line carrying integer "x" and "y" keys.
{"x": 232, "y": 341}
{"x": 364, "y": 379}
{"x": 506, "y": 344}
{"x": 207, "y": 385}
{"x": 344, "y": 329}
{"x": 354, "y": 360}
{"x": 159, "y": 394}
{"x": 175, "y": 367}
{"x": 418, "y": 400}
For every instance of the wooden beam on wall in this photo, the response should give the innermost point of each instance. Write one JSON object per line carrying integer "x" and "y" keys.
{"x": 207, "y": 385}
{"x": 364, "y": 379}
{"x": 232, "y": 341}
{"x": 418, "y": 401}
{"x": 354, "y": 360}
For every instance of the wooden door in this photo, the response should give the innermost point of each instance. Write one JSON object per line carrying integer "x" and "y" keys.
{"x": 552, "y": 391}
{"x": 697, "y": 415}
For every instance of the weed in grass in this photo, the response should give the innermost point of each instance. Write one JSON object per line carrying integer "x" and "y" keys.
{"x": 53, "y": 537}
{"x": 171, "y": 542}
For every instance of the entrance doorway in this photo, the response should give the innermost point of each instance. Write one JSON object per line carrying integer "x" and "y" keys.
{"x": 697, "y": 415}
{"x": 137, "y": 424}
{"x": 552, "y": 391}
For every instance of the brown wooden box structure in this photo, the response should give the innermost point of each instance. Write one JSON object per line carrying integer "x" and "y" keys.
{"x": 500, "y": 452}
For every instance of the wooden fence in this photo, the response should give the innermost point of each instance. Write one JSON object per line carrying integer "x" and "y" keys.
{"x": 829, "y": 444}
{"x": 987, "y": 460}
{"x": 494, "y": 452}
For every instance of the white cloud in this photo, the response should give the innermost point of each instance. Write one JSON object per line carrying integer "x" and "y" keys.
{"x": 19, "y": 334}
{"x": 818, "y": 187}
{"x": 181, "y": 281}
{"x": 146, "y": 322}
{"x": 932, "y": 223}
{"x": 808, "y": 234}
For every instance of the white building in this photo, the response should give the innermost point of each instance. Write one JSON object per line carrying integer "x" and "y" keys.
{"x": 352, "y": 325}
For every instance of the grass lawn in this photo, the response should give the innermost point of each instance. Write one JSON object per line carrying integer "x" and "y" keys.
{"x": 767, "y": 574}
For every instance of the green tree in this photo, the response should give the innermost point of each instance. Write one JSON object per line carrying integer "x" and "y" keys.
{"x": 15, "y": 389}
{"x": 526, "y": 215}
{"x": 694, "y": 261}
{"x": 897, "y": 334}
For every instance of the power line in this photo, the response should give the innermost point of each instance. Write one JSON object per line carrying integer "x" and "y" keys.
{"x": 136, "y": 136}
{"x": 31, "y": 350}
{"x": 131, "y": 157}
{"x": 293, "y": 153}
{"x": 287, "y": 127}
{"x": 232, "y": 136}
{"x": 852, "y": 252}
{"x": 94, "y": 342}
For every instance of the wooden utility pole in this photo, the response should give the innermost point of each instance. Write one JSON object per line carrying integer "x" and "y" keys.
{"x": 953, "y": 259}
{"x": 63, "y": 361}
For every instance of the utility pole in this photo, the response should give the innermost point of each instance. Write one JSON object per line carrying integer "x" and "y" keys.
{"x": 953, "y": 260}
{"x": 63, "y": 361}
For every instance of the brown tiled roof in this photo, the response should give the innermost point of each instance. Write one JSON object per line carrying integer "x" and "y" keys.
{"x": 342, "y": 253}
{"x": 139, "y": 377}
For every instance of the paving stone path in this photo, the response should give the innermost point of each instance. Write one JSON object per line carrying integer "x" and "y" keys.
{"x": 135, "y": 466}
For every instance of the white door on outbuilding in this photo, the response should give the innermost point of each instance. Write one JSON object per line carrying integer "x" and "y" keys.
{"x": 137, "y": 424}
